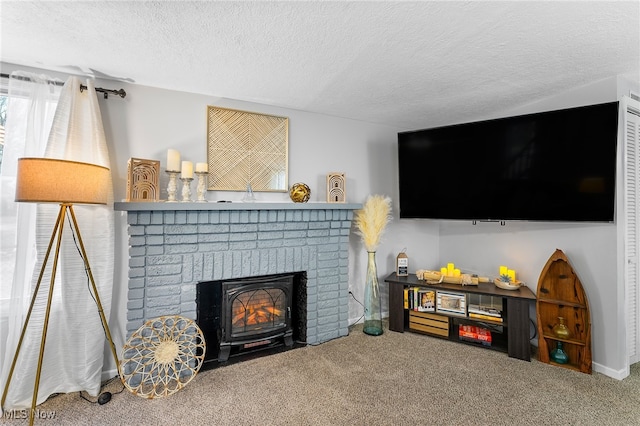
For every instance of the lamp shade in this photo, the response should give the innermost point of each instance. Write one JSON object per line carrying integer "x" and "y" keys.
{"x": 42, "y": 180}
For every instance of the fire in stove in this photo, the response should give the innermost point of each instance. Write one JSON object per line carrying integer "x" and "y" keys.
{"x": 255, "y": 316}
{"x": 255, "y": 310}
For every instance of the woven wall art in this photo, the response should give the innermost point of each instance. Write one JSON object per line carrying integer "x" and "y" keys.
{"x": 247, "y": 148}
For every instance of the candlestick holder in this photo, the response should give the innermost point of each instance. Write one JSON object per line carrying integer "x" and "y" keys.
{"x": 186, "y": 189}
{"x": 172, "y": 187}
{"x": 202, "y": 187}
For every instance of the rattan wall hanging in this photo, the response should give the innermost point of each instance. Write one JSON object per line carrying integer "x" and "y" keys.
{"x": 162, "y": 356}
{"x": 247, "y": 148}
{"x": 143, "y": 177}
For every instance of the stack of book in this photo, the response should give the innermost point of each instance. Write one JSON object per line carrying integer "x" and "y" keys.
{"x": 485, "y": 313}
{"x": 419, "y": 299}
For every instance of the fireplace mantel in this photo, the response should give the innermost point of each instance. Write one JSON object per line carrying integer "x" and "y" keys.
{"x": 213, "y": 206}
{"x": 175, "y": 245}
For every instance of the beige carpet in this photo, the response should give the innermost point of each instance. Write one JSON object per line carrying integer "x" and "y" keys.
{"x": 393, "y": 379}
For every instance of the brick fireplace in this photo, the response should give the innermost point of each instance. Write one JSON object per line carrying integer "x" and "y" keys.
{"x": 175, "y": 246}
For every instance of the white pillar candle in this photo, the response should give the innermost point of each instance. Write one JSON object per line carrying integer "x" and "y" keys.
{"x": 173, "y": 160}
{"x": 187, "y": 170}
{"x": 202, "y": 167}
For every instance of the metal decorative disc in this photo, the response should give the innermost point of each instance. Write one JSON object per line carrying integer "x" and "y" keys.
{"x": 162, "y": 356}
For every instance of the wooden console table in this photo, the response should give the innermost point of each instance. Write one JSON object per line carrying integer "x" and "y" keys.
{"x": 516, "y": 323}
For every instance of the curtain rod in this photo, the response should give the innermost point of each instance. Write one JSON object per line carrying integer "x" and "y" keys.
{"x": 83, "y": 87}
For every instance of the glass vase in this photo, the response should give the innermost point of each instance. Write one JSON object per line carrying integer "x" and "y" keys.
{"x": 559, "y": 355}
{"x": 372, "y": 307}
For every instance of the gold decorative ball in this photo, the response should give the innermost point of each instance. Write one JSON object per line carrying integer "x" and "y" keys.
{"x": 299, "y": 193}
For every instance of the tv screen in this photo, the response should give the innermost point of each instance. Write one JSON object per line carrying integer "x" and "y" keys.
{"x": 550, "y": 166}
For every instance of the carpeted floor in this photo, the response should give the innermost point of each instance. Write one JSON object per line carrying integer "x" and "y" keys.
{"x": 393, "y": 379}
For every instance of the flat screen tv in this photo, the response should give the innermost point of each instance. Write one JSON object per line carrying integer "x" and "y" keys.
{"x": 549, "y": 166}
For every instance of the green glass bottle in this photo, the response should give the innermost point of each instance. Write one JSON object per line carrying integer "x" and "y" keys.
{"x": 559, "y": 355}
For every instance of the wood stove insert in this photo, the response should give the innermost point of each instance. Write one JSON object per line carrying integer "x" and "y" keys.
{"x": 242, "y": 315}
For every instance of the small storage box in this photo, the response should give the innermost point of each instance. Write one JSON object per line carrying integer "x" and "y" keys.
{"x": 429, "y": 323}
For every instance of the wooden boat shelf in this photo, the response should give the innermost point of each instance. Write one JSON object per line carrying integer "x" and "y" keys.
{"x": 561, "y": 295}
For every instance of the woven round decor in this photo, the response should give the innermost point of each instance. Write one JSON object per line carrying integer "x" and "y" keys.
{"x": 162, "y": 356}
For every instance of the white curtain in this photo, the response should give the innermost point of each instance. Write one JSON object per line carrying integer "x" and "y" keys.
{"x": 75, "y": 341}
{"x": 31, "y": 106}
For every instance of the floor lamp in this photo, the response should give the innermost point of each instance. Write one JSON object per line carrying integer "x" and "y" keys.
{"x": 45, "y": 180}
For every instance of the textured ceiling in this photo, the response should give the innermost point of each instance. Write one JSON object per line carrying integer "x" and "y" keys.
{"x": 406, "y": 64}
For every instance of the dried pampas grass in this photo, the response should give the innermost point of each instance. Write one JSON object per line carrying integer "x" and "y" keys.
{"x": 372, "y": 219}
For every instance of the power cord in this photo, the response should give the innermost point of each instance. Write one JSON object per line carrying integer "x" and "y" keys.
{"x": 360, "y": 303}
{"x": 105, "y": 396}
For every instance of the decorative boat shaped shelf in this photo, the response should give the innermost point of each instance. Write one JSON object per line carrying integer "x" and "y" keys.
{"x": 560, "y": 295}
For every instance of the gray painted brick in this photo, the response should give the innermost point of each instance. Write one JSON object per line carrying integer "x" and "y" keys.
{"x": 136, "y": 282}
{"x": 269, "y": 244}
{"x": 136, "y": 272}
{"x": 137, "y": 251}
{"x": 243, "y": 245}
{"x": 144, "y": 218}
{"x": 214, "y": 217}
{"x": 137, "y": 240}
{"x": 319, "y": 225}
{"x": 164, "y": 260}
{"x": 243, "y": 227}
{"x": 269, "y": 235}
{"x": 164, "y": 280}
{"x": 296, "y": 226}
{"x": 136, "y": 261}
{"x": 192, "y": 217}
{"x": 181, "y": 217}
{"x": 210, "y": 238}
{"x": 135, "y": 230}
{"x": 156, "y": 270}
{"x": 155, "y": 240}
{"x": 203, "y": 217}
{"x": 265, "y": 227}
{"x": 135, "y": 314}
{"x": 181, "y": 248}
{"x": 159, "y": 311}
{"x": 213, "y": 229}
{"x": 157, "y": 218}
{"x": 137, "y": 293}
{"x": 165, "y": 290}
{"x": 135, "y": 304}
{"x": 154, "y": 229}
{"x": 155, "y": 250}
{"x": 186, "y": 247}
{"x": 169, "y": 217}
{"x": 247, "y": 236}
{"x": 154, "y": 302}
{"x": 212, "y": 247}
{"x": 181, "y": 229}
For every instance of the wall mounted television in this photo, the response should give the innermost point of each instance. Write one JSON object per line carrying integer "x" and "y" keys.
{"x": 549, "y": 166}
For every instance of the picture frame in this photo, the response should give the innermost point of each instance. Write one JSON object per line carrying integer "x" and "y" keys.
{"x": 247, "y": 148}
